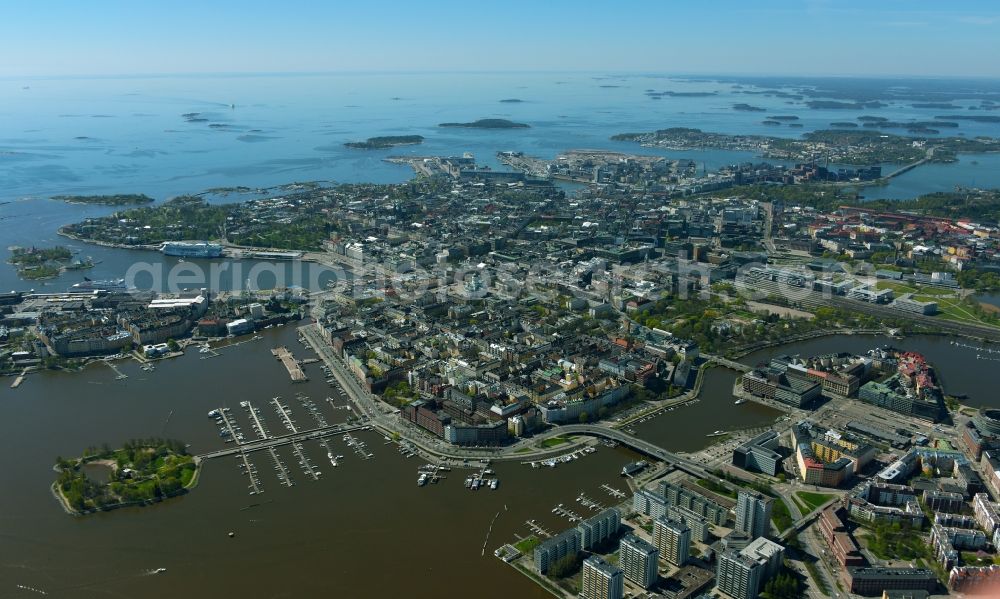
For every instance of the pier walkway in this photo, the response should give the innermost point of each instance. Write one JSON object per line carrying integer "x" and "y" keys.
{"x": 293, "y": 367}
{"x": 259, "y": 444}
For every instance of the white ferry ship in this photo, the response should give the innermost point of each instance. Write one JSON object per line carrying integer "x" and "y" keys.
{"x": 191, "y": 249}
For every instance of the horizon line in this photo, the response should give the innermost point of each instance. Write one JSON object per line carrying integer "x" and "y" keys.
{"x": 603, "y": 72}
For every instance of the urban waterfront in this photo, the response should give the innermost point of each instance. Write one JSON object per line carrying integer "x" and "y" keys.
{"x": 310, "y": 539}
{"x": 355, "y": 512}
{"x": 962, "y": 373}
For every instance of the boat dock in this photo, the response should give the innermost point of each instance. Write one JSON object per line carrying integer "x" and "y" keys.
{"x": 121, "y": 375}
{"x": 280, "y": 468}
{"x": 304, "y": 462}
{"x": 537, "y": 529}
{"x": 258, "y": 426}
{"x": 291, "y": 364}
{"x": 587, "y": 502}
{"x": 613, "y": 492}
{"x": 570, "y": 515}
{"x": 283, "y": 414}
{"x": 248, "y": 468}
{"x": 20, "y": 379}
{"x": 358, "y": 446}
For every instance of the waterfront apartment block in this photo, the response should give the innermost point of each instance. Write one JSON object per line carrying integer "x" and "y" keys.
{"x": 753, "y": 513}
{"x": 895, "y": 399}
{"x": 601, "y": 580}
{"x": 552, "y": 550}
{"x": 677, "y": 495}
{"x": 638, "y": 560}
{"x": 759, "y": 454}
{"x": 599, "y": 528}
{"x": 649, "y": 503}
{"x": 673, "y": 539}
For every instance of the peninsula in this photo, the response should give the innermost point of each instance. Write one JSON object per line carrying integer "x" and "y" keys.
{"x": 142, "y": 472}
{"x": 34, "y": 264}
{"x": 120, "y": 199}
{"x": 488, "y": 124}
{"x": 386, "y": 141}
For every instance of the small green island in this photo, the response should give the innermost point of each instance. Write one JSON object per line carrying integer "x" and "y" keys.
{"x": 512, "y": 100}
{"x": 142, "y": 472}
{"x": 386, "y": 141}
{"x": 35, "y": 264}
{"x": 743, "y": 107}
{"x": 488, "y": 124}
{"x": 120, "y": 199}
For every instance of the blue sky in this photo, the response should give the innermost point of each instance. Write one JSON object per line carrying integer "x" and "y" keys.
{"x": 812, "y": 37}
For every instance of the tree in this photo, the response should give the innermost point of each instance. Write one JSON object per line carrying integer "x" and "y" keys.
{"x": 172, "y": 345}
{"x": 584, "y": 418}
{"x": 782, "y": 586}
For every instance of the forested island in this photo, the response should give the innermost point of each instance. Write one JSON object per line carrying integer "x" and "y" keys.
{"x": 488, "y": 124}
{"x": 142, "y": 472}
{"x": 386, "y": 141}
{"x": 742, "y": 107}
{"x": 121, "y": 199}
{"x": 36, "y": 263}
{"x": 512, "y": 100}
{"x": 836, "y": 105}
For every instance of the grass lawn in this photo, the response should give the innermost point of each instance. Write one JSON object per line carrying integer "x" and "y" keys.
{"x": 527, "y": 544}
{"x": 554, "y": 442}
{"x": 896, "y": 287}
{"x": 812, "y": 501}
{"x": 780, "y": 515}
{"x": 715, "y": 487}
{"x": 950, "y": 309}
{"x": 971, "y": 559}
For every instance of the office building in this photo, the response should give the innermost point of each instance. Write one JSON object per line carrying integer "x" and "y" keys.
{"x": 673, "y": 539}
{"x": 759, "y": 454}
{"x": 601, "y": 580}
{"x": 753, "y": 513}
{"x": 638, "y": 560}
